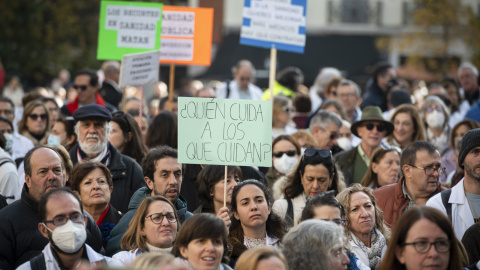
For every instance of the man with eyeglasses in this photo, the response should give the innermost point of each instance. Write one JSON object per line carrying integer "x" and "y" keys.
{"x": 325, "y": 128}
{"x": 19, "y": 235}
{"x": 371, "y": 129}
{"x": 86, "y": 84}
{"x": 20, "y": 144}
{"x": 163, "y": 176}
{"x": 462, "y": 203}
{"x": 241, "y": 87}
{"x": 420, "y": 163}
{"x": 63, "y": 223}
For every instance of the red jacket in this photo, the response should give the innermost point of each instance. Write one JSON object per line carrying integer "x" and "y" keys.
{"x": 72, "y": 107}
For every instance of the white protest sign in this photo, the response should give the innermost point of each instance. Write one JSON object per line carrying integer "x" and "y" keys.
{"x": 139, "y": 68}
{"x": 274, "y": 23}
{"x": 224, "y": 132}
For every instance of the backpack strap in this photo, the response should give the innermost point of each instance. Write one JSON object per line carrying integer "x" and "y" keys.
{"x": 38, "y": 262}
{"x": 445, "y": 197}
{"x": 289, "y": 216}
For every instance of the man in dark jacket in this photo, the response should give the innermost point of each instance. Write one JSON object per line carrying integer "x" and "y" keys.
{"x": 110, "y": 91}
{"x": 93, "y": 130}
{"x": 19, "y": 235}
{"x": 163, "y": 175}
{"x": 376, "y": 93}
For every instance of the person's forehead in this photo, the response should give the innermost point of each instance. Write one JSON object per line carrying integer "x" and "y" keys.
{"x": 425, "y": 157}
{"x": 62, "y": 204}
{"x": 332, "y": 127}
{"x": 167, "y": 164}
{"x": 466, "y": 71}
{"x": 4, "y": 105}
{"x": 345, "y": 88}
{"x": 82, "y": 78}
{"x": 244, "y": 70}
{"x": 45, "y": 157}
{"x": 92, "y": 121}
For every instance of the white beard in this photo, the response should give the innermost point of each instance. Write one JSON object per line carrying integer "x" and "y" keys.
{"x": 93, "y": 149}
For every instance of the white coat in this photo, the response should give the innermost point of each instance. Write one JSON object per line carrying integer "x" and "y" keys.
{"x": 462, "y": 217}
{"x": 280, "y": 207}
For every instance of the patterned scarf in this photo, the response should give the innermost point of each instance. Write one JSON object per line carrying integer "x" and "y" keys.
{"x": 375, "y": 251}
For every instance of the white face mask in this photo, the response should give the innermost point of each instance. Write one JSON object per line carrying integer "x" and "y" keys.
{"x": 435, "y": 119}
{"x": 9, "y": 144}
{"x": 284, "y": 164}
{"x": 54, "y": 140}
{"x": 344, "y": 143}
{"x": 69, "y": 237}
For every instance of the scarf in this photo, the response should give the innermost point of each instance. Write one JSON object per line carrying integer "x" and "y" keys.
{"x": 103, "y": 157}
{"x": 374, "y": 253}
{"x": 152, "y": 248}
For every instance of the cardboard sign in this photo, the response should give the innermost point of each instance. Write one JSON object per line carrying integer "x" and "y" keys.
{"x": 128, "y": 27}
{"x": 268, "y": 23}
{"x": 224, "y": 132}
{"x": 186, "y": 35}
{"x": 139, "y": 68}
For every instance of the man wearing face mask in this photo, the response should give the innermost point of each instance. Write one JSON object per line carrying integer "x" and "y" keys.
{"x": 63, "y": 224}
{"x": 20, "y": 239}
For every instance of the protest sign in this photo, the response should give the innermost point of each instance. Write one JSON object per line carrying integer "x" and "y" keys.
{"x": 224, "y": 132}
{"x": 128, "y": 27}
{"x": 274, "y": 23}
{"x": 186, "y": 35}
{"x": 139, "y": 68}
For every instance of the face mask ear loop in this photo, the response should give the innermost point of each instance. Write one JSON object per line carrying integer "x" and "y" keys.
{"x": 45, "y": 225}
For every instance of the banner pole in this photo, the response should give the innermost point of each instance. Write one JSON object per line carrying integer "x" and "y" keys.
{"x": 273, "y": 65}
{"x": 225, "y": 188}
{"x": 172, "y": 84}
{"x": 140, "y": 111}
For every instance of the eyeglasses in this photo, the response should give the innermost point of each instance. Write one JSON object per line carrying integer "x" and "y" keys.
{"x": 157, "y": 218}
{"x": 430, "y": 170}
{"x": 289, "y": 153}
{"x": 338, "y": 221}
{"x": 331, "y": 135}
{"x": 34, "y": 117}
{"x": 6, "y": 112}
{"x": 53, "y": 109}
{"x": 289, "y": 109}
{"x": 323, "y": 153}
{"x": 380, "y": 127}
{"x": 60, "y": 220}
{"x": 350, "y": 95}
{"x": 436, "y": 108}
{"x": 424, "y": 246}
{"x": 81, "y": 87}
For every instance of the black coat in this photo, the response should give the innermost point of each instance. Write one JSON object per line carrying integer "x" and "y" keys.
{"x": 20, "y": 239}
{"x": 110, "y": 93}
{"x": 127, "y": 177}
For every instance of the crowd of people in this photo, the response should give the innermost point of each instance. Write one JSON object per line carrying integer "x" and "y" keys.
{"x": 90, "y": 178}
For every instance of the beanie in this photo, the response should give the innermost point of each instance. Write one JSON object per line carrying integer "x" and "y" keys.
{"x": 470, "y": 140}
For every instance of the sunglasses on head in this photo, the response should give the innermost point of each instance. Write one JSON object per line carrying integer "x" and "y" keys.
{"x": 280, "y": 154}
{"x": 323, "y": 153}
{"x": 36, "y": 116}
{"x": 380, "y": 127}
{"x": 81, "y": 87}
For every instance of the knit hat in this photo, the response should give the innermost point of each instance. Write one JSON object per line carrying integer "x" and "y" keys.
{"x": 470, "y": 140}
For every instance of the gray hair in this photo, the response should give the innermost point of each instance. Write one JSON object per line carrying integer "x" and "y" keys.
{"x": 309, "y": 244}
{"x": 323, "y": 119}
{"x": 106, "y": 125}
{"x": 244, "y": 63}
{"x": 350, "y": 83}
{"x": 324, "y": 76}
{"x": 430, "y": 101}
{"x": 465, "y": 65}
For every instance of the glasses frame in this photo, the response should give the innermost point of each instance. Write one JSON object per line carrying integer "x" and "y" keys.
{"x": 434, "y": 169}
{"x": 330, "y": 135}
{"x": 162, "y": 217}
{"x": 66, "y": 219}
{"x": 80, "y": 87}
{"x": 34, "y": 117}
{"x": 379, "y": 127}
{"x": 289, "y": 153}
{"x": 430, "y": 244}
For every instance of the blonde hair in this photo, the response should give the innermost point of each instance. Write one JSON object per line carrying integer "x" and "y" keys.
{"x": 152, "y": 260}
{"x": 250, "y": 258}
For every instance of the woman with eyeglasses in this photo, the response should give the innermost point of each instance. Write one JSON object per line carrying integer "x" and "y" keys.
{"x": 435, "y": 116}
{"x": 286, "y": 153}
{"x": 326, "y": 207}
{"x": 384, "y": 168}
{"x": 153, "y": 228}
{"x": 282, "y": 116}
{"x": 407, "y": 126}
{"x": 367, "y": 235}
{"x": 423, "y": 238}
{"x": 314, "y": 174}
{"x": 126, "y": 136}
{"x": 35, "y": 122}
{"x": 254, "y": 223}
{"x": 92, "y": 182}
{"x": 202, "y": 241}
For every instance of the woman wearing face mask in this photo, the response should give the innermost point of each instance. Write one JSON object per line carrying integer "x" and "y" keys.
{"x": 314, "y": 174}
{"x": 384, "y": 168}
{"x": 254, "y": 223}
{"x": 435, "y": 116}
{"x": 153, "y": 228}
{"x": 210, "y": 189}
{"x": 63, "y": 133}
{"x": 93, "y": 183}
{"x": 286, "y": 152}
{"x": 202, "y": 241}
{"x": 282, "y": 116}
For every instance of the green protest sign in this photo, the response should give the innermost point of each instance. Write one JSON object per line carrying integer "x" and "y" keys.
{"x": 224, "y": 132}
{"x": 128, "y": 27}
